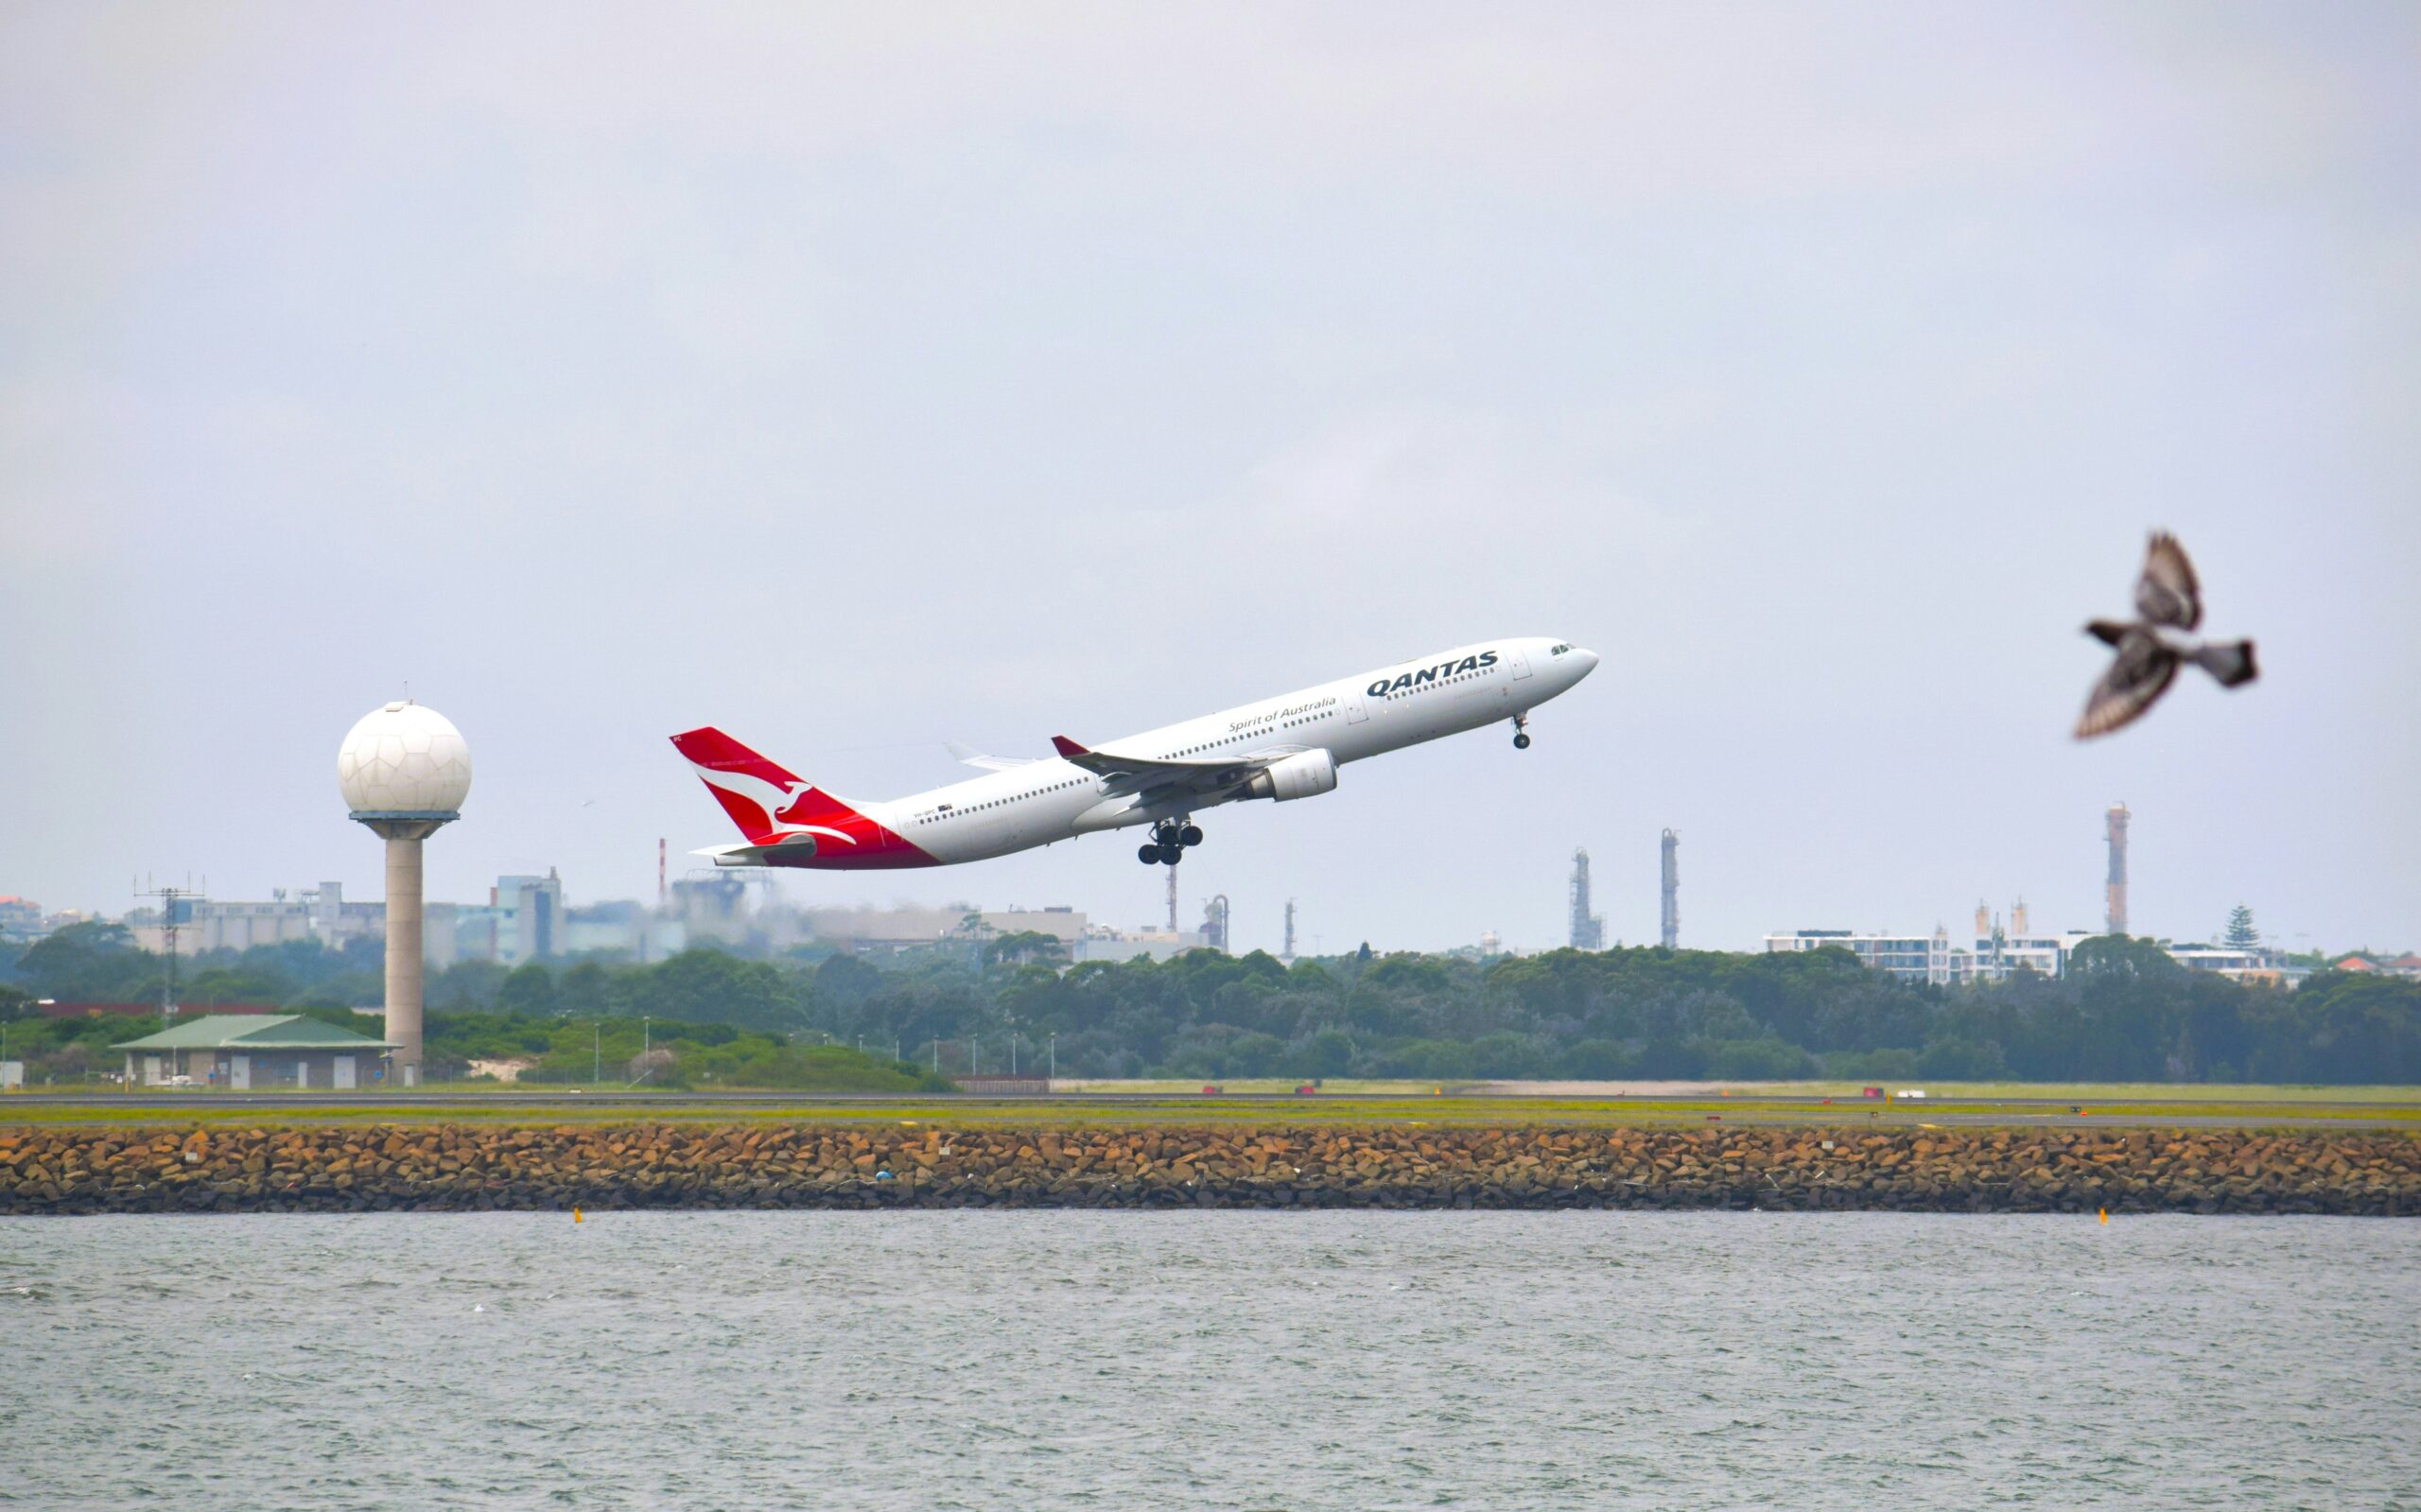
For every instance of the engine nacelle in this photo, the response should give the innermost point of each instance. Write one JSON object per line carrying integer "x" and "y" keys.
{"x": 1304, "y": 774}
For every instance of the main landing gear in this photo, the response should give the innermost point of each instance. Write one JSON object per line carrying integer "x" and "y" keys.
{"x": 1520, "y": 732}
{"x": 1169, "y": 839}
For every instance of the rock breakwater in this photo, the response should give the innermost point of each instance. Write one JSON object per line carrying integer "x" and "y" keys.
{"x": 466, "y": 1167}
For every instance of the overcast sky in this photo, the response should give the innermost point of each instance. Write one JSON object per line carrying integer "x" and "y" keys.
{"x": 863, "y": 378}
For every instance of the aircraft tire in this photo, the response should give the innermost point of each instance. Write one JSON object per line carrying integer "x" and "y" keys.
{"x": 1190, "y": 835}
{"x": 1149, "y": 855}
{"x": 1520, "y": 742}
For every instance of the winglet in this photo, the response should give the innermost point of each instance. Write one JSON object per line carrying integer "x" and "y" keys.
{"x": 1067, "y": 747}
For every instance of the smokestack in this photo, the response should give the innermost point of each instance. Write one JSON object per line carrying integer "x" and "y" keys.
{"x": 2115, "y": 831}
{"x": 2017, "y": 919}
{"x": 1671, "y": 891}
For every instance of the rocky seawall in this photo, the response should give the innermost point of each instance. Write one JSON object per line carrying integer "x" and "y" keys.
{"x": 478, "y": 1168}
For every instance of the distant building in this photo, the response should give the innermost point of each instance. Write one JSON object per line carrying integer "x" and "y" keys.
{"x": 626, "y": 928}
{"x": 2407, "y": 964}
{"x": 889, "y": 931}
{"x": 133, "y": 1009}
{"x": 1915, "y": 957}
{"x": 1102, "y": 943}
{"x": 21, "y": 918}
{"x": 2000, "y": 952}
{"x": 524, "y": 916}
{"x": 1996, "y": 952}
{"x": 2243, "y": 963}
{"x": 248, "y": 1051}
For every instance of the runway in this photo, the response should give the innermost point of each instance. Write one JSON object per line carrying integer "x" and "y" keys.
{"x": 557, "y": 1104}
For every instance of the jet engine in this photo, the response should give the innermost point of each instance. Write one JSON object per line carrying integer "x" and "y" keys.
{"x": 1304, "y": 774}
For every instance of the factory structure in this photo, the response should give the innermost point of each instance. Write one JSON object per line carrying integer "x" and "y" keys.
{"x": 1587, "y": 927}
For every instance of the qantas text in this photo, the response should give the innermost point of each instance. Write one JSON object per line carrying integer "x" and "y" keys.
{"x": 1429, "y": 674}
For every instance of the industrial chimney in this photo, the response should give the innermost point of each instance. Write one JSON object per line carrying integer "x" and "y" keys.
{"x": 1671, "y": 891}
{"x": 1588, "y": 930}
{"x": 2116, "y": 823}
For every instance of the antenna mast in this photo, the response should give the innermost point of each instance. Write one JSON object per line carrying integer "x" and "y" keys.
{"x": 170, "y": 897}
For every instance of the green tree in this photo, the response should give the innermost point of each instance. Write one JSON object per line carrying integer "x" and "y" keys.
{"x": 2241, "y": 935}
{"x": 530, "y": 989}
{"x": 91, "y": 962}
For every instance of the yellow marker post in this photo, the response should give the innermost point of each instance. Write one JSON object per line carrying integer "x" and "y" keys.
{"x": 575, "y": 1215}
{"x": 2105, "y": 1213}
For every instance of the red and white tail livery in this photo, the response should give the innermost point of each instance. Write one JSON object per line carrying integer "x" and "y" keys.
{"x": 1283, "y": 749}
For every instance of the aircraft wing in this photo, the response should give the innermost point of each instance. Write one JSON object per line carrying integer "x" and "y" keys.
{"x": 973, "y": 757}
{"x": 1140, "y": 772}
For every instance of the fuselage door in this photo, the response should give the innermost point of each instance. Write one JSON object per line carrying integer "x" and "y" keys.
{"x": 1520, "y": 662}
{"x": 1354, "y": 712}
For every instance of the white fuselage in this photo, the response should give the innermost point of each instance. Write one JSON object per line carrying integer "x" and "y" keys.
{"x": 1386, "y": 709}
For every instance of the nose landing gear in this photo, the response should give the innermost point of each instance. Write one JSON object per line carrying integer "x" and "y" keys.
{"x": 1520, "y": 732}
{"x": 1169, "y": 839}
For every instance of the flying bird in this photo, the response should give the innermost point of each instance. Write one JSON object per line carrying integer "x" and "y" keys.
{"x": 2147, "y": 661}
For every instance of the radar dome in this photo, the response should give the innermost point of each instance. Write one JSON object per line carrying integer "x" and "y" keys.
{"x": 404, "y": 759}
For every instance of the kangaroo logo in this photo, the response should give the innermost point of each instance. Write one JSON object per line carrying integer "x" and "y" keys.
{"x": 773, "y": 799}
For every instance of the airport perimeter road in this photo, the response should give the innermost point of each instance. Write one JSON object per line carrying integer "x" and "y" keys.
{"x": 558, "y": 1105}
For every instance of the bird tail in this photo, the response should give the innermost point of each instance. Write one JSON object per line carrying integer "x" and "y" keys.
{"x": 2231, "y": 662}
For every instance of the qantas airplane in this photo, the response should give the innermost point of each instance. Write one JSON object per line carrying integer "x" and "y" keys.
{"x": 1282, "y": 748}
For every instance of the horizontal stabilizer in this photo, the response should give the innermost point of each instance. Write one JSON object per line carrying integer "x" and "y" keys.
{"x": 796, "y": 851}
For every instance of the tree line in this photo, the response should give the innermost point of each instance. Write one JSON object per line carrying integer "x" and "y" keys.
{"x": 2124, "y": 1011}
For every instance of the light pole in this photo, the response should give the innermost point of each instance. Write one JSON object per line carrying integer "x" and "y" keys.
{"x": 1055, "y": 1055}
{"x": 597, "y": 1051}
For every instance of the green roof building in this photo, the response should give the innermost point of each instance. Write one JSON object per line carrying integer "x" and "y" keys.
{"x": 244, "y": 1051}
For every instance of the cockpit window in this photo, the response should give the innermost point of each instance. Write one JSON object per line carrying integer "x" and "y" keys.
{"x": 1559, "y": 650}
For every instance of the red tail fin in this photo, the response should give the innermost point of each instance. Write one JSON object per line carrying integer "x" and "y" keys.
{"x": 762, "y": 797}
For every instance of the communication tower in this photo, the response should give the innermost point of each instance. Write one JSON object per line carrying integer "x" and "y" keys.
{"x": 1671, "y": 891}
{"x": 1287, "y": 955}
{"x": 1588, "y": 930}
{"x": 405, "y": 771}
{"x": 176, "y": 908}
{"x": 2114, "y": 832}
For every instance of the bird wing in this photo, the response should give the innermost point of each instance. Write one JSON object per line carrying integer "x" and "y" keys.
{"x": 2139, "y": 675}
{"x": 2166, "y": 593}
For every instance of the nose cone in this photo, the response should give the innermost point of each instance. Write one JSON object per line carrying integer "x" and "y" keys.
{"x": 1584, "y": 662}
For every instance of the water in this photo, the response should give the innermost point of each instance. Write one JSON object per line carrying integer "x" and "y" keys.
{"x": 1347, "y": 1360}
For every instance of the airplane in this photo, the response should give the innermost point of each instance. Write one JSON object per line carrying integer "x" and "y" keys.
{"x": 1283, "y": 749}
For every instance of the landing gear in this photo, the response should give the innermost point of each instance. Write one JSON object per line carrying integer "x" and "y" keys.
{"x": 1520, "y": 732}
{"x": 1169, "y": 840}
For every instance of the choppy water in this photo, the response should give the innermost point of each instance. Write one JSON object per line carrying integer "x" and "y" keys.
{"x": 1347, "y": 1360}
